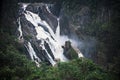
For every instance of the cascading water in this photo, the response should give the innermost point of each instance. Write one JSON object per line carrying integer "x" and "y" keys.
{"x": 58, "y": 29}
{"x": 19, "y": 29}
{"x": 50, "y": 58}
{"x": 33, "y": 54}
{"x": 50, "y": 42}
{"x": 49, "y": 36}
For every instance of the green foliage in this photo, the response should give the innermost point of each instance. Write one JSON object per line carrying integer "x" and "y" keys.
{"x": 72, "y": 54}
{"x": 78, "y": 69}
{"x": 69, "y": 52}
{"x": 13, "y": 64}
{"x": 16, "y": 66}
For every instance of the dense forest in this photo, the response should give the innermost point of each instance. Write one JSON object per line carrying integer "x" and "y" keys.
{"x": 102, "y": 23}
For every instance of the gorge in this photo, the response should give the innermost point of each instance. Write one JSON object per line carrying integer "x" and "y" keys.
{"x": 42, "y": 33}
{"x": 59, "y": 40}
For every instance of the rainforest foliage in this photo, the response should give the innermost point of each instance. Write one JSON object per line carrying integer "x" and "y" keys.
{"x": 14, "y": 65}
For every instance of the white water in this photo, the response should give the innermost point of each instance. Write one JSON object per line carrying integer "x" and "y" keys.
{"x": 54, "y": 40}
{"x": 48, "y": 8}
{"x": 19, "y": 24}
{"x": 33, "y": 54}
{"x": 50, "y": 58}
{"x": 24, "y": 5}
{"x": 19, "y": 29}
{"x": 35, "y": 20}
{"x": 58, "y": 30}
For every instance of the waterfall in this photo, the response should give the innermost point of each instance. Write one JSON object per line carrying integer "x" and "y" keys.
{"x": 32, "y": 54}
{"x": 19, "y": 24}
{"x": 48, "y": 42}
{"x": 24, "y": 6}
{"x": 49, "y": 36}
{"x": 58, "y": 29}
{"x": 19, "y": 29}
{"x": 48, "y": 8}
{"x": 35, "y": 20}
{"x": 49, "y": 57}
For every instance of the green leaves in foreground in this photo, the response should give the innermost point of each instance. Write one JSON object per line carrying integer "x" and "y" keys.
{"x": 15, "y": 66}
{"x": 78, "y": 69}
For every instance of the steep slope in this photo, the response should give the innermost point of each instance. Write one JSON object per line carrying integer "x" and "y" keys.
{"x": 39, "y": 30}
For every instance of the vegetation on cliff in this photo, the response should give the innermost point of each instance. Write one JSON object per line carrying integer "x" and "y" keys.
{"x": 15, "y": 66}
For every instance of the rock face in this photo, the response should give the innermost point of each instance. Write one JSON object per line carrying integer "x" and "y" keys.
{"x": 69, "y": 51}
{"x": 40, "y": 30}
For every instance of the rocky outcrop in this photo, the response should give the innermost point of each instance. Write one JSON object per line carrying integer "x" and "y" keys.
{"x": 69, "y": 51}
{"x": 41, "y": 30}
